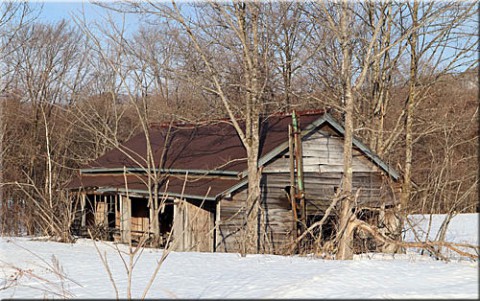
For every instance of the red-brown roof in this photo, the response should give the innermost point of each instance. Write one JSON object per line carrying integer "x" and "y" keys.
{"x": 197, "y": 149}
{"x": 200, "y": 187}
{"x": 215, "y": 146}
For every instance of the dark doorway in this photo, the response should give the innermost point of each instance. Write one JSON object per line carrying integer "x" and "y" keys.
{"x": 165, "y": 217}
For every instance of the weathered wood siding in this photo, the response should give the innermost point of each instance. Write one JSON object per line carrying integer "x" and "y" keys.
{"x": 230, "y": 219}
{"x": 323, "y": 169}
{"x": 276, "y": 222}
{"x": 192, "y": 227}
{"x": 323, "y": 153}
{"x": 277, "y": 219}
{"x": 101, "y": 213}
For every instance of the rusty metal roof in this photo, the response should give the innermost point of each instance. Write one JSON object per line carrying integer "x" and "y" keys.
{"x": 215, "y": 146}
{"x": 212, "y": 154}
{"x": 208, "y": 188}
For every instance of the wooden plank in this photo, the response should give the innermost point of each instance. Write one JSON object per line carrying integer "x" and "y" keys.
{"x": 194, "y": 228}
{"x": 316, "y": 164}
{"x": 125, "y": 219}
{"x": 202, "y": 223}
{"x": 278, "y": 221}
{"x": 321, "y": 150}
{"x": 106, "y": 200}
{"x": 312, "y": 180}
{"x": 139, "y": 224}
{"x": 83, "y": 202}
{"x": 177, "y": 227}
{"x": 218, "y": 220}
{"x": 100, "y": 213}
{"x": 117, "y": 212}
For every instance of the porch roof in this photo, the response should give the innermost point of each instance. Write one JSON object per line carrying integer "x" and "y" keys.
{"x": 192, "y": 187}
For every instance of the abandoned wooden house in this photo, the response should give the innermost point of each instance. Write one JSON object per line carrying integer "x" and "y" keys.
{"x": 197, "y": 176}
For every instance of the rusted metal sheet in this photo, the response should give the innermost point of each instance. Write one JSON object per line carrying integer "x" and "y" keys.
{"x": 211, "y": 150}
{"x": 213, "y": 146}
{"x": 200, "y": 188}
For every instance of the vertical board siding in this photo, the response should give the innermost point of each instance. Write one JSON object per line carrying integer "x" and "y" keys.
{"x": 232, "y": 210}
{"x": 192, "y": 228}
{"x": 275, "y": 230}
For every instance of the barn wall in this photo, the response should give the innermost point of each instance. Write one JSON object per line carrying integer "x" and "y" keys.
{"x": 276, "y": 223}
{"x": 278, "y": 227}
{"x": 192, "y": 227}
{"x": 323, "y": 169}
{"x": 230, "y": 213}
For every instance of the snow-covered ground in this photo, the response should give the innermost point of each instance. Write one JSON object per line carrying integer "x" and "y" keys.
{"x": 463, "y": 228}
{"x": 210, "y": 275}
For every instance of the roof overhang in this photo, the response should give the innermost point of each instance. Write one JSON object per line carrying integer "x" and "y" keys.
{"x": 166, "y": 195}
{"x": 202, "y": 172}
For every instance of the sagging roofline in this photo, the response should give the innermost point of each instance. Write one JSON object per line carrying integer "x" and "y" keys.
{"x": 119, "y": 170}
{"x": 143, "y": 192}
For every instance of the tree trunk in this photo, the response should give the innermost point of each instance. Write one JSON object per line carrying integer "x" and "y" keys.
{"x": 252, "y": 204}
{"x": 345, "y": 250}
{"x": 345, "y": 243}
{"x": 409, "y": 111}
{"x": 2, "y": 133}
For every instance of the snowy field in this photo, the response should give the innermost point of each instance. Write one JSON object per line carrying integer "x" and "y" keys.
{"x": 26, "y": 272}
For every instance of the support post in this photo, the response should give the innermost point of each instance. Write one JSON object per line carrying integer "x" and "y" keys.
{"x": 292, "y": 193}
{"x": 299, "y": 161}
{"x": 125, "y": 219}
{"x": 115, "y": 209}
{"x": 95, "y": 210}
{"x": 178, "y": 230}
{"x": 106, "y": 203}
{"x": 83, "y": 202}
{"x": 217, "y": 226}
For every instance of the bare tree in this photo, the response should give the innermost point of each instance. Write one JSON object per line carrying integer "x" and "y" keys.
{"x": 366, "y": 35}
{"x": 291, "y": 34}
{"x": 238, "y": 34}
{"x": 429, "y": 51}
{"x": 136, "y": 77}
{"x": 339, "y": 19}
{"x": 42, "y": 80}
{"x": 13, "y": 17}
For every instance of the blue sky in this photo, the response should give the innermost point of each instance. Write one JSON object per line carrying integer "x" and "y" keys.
{"x": 54, "y": 11}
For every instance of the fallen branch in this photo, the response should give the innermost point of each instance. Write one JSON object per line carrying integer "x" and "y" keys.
{"x": 429, "y": 245}
{"x": 318, "y": 224}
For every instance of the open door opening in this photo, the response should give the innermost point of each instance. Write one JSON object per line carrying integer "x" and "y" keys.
{"x": 165, "y": 218}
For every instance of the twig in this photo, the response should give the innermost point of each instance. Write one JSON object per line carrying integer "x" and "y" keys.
{"x": 105, "y": 264}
